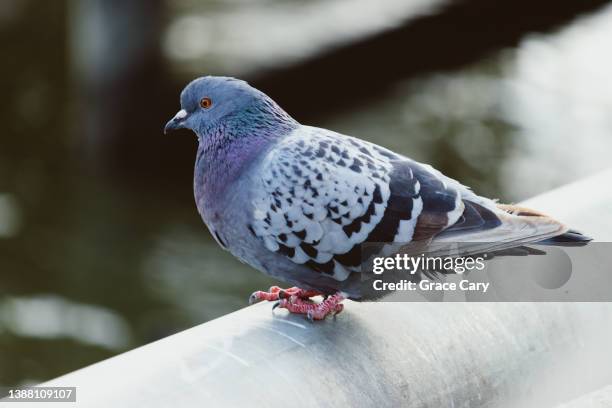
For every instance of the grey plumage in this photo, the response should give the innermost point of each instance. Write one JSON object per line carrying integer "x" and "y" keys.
{"x": 296, "y": 202}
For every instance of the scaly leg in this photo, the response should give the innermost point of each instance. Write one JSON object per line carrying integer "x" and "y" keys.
{"x": 297, "y": 300}
{"x": 313, "y": 311}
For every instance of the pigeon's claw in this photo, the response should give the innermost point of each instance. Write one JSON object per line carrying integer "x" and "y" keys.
{"x": 276, "y": 293}
{"x": 259, "y": 295}
{"x": 299, "y": 301}
{"x": 314, "y": 311}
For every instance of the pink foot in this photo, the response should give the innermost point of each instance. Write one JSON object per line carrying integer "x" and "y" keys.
{"x": 313, "y": 311}
{"x": 276, "y": 293}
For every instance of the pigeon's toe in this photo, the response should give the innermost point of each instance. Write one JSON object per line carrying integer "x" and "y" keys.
{"x": 254, "y": 298}
{"x": 276, "y": 293}
{"x": 313, "y": 311}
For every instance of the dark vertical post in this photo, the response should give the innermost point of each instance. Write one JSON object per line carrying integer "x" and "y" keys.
{"x": 119, "y": 77}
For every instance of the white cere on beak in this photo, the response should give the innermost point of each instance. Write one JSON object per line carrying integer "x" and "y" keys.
{"x": 180, "y": 114}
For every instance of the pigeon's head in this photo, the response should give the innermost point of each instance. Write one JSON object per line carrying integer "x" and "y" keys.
{"x": 210, "y": 103}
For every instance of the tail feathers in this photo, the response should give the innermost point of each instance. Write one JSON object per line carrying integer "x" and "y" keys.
{"x": 506, "y": 230}
{"x": 520, "y": 211}
{"x": 570, "y": 238}
{"x": 505, "y": 224}
{"x": 508, "y": 226}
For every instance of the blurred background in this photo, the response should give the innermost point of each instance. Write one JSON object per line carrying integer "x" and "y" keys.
{"x": 101, "y": 247}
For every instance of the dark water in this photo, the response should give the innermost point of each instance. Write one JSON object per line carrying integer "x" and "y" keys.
{"x": 92, "y": 265}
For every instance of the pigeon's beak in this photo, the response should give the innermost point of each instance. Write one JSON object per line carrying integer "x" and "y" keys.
{"x": 177, "y": 122}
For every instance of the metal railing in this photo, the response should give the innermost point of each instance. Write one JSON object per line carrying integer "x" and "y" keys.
{"x": 380, "y": 354}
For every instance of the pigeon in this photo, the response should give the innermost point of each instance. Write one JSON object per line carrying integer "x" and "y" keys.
{"x": 297, "y": 202}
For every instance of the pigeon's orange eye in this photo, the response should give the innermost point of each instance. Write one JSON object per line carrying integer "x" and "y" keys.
{"x": 205, "y": 103}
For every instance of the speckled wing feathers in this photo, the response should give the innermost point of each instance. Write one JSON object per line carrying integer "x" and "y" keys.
{"x": 324, "y": 194}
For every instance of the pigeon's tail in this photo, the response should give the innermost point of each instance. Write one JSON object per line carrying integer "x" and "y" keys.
{"x": 570, "y": 238}
{"x": 566, "y": 236}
